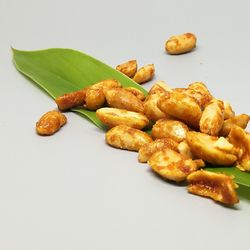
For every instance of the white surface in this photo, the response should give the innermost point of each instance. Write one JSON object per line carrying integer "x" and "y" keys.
{"x": 71, "y": 191}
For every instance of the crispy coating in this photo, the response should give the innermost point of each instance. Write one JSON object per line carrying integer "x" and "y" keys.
{"x": 202, "y": 89}
{"x": 241, "y": 140}
{"x": 172, "y": 165}
{"x": 201, "y": 98}
{"x": 50, "y": 123}
{"x": 212, "y": 118}
{"x": 228, "y": 110}
{"x": 128, "y": 68}
{"x": 184, "y": 149}
{"x": 94, "y": 99}
{"x": 219, "y": 187}
{"x": 113, "y": 117}
{"x": 138, "y": 93}
{"x": 147, "y": 150}
{"x": 71, "y": 100}
{"x": 173, "y": 129}
{"x": 144, "y": 74}
{"x": 123, "y": 99}
{"x": 159, "y": 87}
{"x": 180, "y": 44}
{"x": 151, "y": 109}
{"x": 204, "y": 146}
{"x": 128, "y": 138}
{"x": 239, "y": 120}
{"x": 181, "y": 106}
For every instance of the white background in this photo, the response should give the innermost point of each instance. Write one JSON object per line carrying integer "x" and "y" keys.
{"x": 71, "y": 191}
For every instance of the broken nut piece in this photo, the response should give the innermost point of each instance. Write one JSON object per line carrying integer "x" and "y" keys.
{"x": 144, "y": 74}
{"x": 147, "y": 150}
{"x": 125, "y": 137}
{"x": 176, "y": 130}
{"x": 50, "y": 123}
{"x": 71, "y": 100}
{"x": 172, "y": 165}
{"x": 219, "y": 187}
{"x": 128, "y": 68}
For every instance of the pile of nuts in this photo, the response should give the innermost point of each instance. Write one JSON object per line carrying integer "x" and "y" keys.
{"x": 190, "y": 127}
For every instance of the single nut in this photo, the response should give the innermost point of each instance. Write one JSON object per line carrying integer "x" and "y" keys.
{"x": 144, "y": 74}
{"x": 217, "y": 186}
{"x": 71, "y": 100}
{"x": 50, "y": 123}
{"x": 180, "y": 44}
{"x": 172, "y": 165}
{"x": 147, "y": 150}
{"x": 94, "y": 99}
{"x": 212, "y": 118}
{"x": 125, "y": 137}
{"x": 173, "y": 129}
{"x": 181, "y": 106}
{"x": 239, "y": 120}
{"x": 138, "y": 93}
{"x": 113, "y": 117}
{"x": 123, "y": 99}
{"x": 128, "y": 68}
{"x": 204, "y": 146}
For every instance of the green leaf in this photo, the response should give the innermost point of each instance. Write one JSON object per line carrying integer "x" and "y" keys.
{"x": 60, "y": 71}
{"x": 242, "y": 178}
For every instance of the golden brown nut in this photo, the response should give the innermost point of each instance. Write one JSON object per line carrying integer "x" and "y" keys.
{"x": 123, "y": 99}
{"x": 241, "y": 140}
{"x": 125, "y": 137}
{"x": 151, "y": 109}
{"x": 128, "y": 68}
{"x": 180, "y": 44}
{"x": 113, "y": 117}
{"x": 228, "y": 111}
{"x": 182, "y": 107}
{"x": 172, "y": 165}
{"x": 138, "y": 93}
{"x": 71, "y": 100}
{"x": 147, "y": 150}
{"x": 239, "y": 120}
{"x": 219, "y": 187}
{"x": 173, "y": 129}
{"x": 159, "y": 87}
{"x": 212, "y": 118}
{"x": 94, "y": 99}
{"x": 204, "y": 146}
{"x": 144, "y": 74}
{"x": 50, "y": 123}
